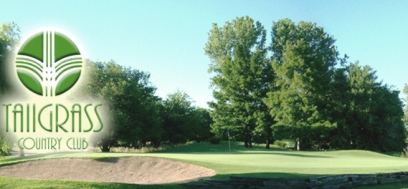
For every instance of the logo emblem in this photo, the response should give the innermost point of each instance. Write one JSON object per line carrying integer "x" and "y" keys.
{"x": 48, "y": 63}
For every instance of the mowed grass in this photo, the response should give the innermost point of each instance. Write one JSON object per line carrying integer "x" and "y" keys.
{"x": 241, "y": 161}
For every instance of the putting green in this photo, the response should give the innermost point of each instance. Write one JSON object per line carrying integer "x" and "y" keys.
{"x": 260, "y": 162}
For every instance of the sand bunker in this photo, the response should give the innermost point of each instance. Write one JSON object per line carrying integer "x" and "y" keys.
{"x": 136, "y": 170}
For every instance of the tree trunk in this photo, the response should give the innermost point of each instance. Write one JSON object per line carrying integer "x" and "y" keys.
{"x": 105, "y": 148}
{"x": 268, "y": 137}
{"x": 137, "y": 144}
{"x": 249, "y": 141}
{"x": 156, "y": 143}
{"x": 21, "y": 153}
{"x": 246, "y": 139}
{"x": 268, "y": 142}
{"x": 298, "y": 144}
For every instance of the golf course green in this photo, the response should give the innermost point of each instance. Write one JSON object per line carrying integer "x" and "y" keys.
{"x": 240, "y": 161}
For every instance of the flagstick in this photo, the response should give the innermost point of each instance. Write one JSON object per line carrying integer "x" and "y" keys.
{"x": 229, "y": 143}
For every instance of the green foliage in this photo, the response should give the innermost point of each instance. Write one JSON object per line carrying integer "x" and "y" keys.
{"x": 130, "y": 100}
{"x": 396, "y": 154}
{"x": 279, "y": 143}
{"x": 303, "y": 59}
{"x": 182, "y": 121}
{"x": 9, "y": 38}
{"x": 406, "y": 106}
{"x": 242, "y": 78}
{"x": 300, "y": 94}
{"x": 5, "y": 146}
{"x": 202, "y": 124}
{"x": 368, "y": 114}
{"x": 178, "y": 116}
{"x": 138, "y": 117}
{"x": 215, "y": 140}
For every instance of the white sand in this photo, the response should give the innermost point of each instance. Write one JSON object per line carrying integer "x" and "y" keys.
{"x": 136, "y": 170}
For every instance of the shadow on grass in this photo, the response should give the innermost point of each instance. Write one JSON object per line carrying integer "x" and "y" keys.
{"x": 216, "y": 148}
{"x": 277, "y": 153}
{"x": 236, "y": 149}
{"x": 106, "y": 159}
{"x": 294, "y": 154}
{"x": 266, "y": 175}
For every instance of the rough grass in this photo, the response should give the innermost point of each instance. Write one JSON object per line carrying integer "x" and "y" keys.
{"x": 14, "y": 183}
{"x": 241, "y": 161}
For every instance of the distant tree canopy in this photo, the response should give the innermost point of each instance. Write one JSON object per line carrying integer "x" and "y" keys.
{"x": 368, "y": 114}
{"x": 182, "y": 121}
{"x": 304, "y": 91}
{"x": 298, "y": 88}
{"x": 138, "y": 116}
{"x": 9, "y": 37}
{"x": 406, "y": 105}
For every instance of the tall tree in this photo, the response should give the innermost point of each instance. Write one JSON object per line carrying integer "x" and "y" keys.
{"x": 241, "y": 78}
{"x": 130, "y": 99}
{"x": 406, "y": 105}
{"x": 387, "y": 115}
{"x": 202, "y": 122}
{"x": 339, "y": 103}
{"x": 9, "y": 38}
{"x": 362, "y": 82}
{"x": 178, "y": 118}
{"x": 304, "y": 56}
{"x": 374, "y": 113}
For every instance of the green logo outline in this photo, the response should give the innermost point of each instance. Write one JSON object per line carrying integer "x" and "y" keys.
{"x": 48, "y": 63}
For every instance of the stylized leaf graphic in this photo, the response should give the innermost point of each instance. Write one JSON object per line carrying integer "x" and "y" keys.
{"x": 66, "y": 81}
{"x": 59, "y": 69}
{"x": 34, "y": 83}
{"x": 67, "y": 72}
{"x": 29, "y": 70}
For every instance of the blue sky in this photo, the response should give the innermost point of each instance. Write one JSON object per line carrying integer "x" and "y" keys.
{"x": 166, "y": 38}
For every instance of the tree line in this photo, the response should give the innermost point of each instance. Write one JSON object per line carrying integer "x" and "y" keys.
{"x": 137, "y": 117}
{"x": 298, "y": 88}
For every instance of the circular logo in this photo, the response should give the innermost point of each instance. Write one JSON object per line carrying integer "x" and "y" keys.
{"x": 48, "y": 63}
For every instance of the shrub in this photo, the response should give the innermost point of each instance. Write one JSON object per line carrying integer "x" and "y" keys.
{"x": 215, "y": 140}
{"x": 397, "y": 154}
{"x": 5, "y": 146}
{"x": 279, "y": 143}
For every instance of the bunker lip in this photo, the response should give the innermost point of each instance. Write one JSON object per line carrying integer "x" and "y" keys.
{"x": 132, "y": 170}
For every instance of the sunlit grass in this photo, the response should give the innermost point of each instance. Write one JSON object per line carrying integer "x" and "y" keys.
{"x": 256, "y": 162}
{"x": 14, "y": 183}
